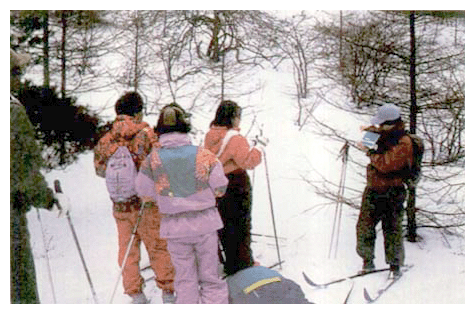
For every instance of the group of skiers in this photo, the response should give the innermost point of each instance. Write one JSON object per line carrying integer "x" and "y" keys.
{"x": 191, "y": 205}
{"x": 192, "y": 198}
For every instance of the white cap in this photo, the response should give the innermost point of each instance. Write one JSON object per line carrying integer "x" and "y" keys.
{"x": 387, "y": 112}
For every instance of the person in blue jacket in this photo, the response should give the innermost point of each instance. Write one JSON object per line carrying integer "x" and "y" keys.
{"x": 262, "y": 285}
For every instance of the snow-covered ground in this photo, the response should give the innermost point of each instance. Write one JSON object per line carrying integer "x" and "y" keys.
{"x": 304, "y": 230}
{"x": 437, "y": 277}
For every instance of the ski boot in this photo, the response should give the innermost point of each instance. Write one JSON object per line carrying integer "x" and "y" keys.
{"x": 394, "y": 272}
{"x": 368, "y": 266}
{"x": 168, "y": 297}
{"x": 139, "y": 298}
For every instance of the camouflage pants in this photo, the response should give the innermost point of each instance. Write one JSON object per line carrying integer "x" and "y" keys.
{"x": 388, "y": 208}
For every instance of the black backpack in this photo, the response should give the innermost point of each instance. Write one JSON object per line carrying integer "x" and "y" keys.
{"x": 413, "y": 174}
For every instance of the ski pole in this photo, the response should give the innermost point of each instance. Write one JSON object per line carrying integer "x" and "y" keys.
{"x": 272, "y": 210}
{"x": 57, "y": 188}
{"x": 338, "y": 209}
{"x": 271, "y": 204}
{"x": 50, "y": 277}
{"x": 127, "y": 252}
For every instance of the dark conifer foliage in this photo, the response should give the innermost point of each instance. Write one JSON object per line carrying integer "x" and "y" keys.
{"x": 63, "y": 128}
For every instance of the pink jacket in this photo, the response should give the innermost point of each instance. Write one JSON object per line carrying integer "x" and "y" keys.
{"x": 237, "y": 154}
{"x": 184, "y": 180}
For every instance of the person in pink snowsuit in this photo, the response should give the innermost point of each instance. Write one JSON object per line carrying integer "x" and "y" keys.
{"x": 185, "y": 180}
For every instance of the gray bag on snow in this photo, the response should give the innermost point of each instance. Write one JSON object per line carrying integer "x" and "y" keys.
{"x": 120, "y": 176}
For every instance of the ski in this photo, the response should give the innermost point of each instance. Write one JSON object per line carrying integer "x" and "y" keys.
{"x": 324, "y": 285}
{"x": 388, "y": 284}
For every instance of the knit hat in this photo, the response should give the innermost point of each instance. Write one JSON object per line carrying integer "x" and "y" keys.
{"x": 171, "y": 115}
{"x": 173, "y": 118}
{"x": 129, "y": 104}
{"x": 387, "y": 112}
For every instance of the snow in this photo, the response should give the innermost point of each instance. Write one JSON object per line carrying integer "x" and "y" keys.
{"x": 304, "y": 229}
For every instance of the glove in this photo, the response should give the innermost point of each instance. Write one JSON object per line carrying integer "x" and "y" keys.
{"x": 62, "y": 204}
{"x": 361, "y": 146}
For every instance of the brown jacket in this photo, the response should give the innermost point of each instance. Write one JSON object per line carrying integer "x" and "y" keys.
{"x": 382, "y": 172}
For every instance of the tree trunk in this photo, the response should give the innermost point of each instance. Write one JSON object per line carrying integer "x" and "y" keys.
{"x": 63, "y": 54}
{"x": 46, "y": 78}
{"x": 411, "y": 199}
{"x": 222, "y": 76}
{"x": 136, "y": 52}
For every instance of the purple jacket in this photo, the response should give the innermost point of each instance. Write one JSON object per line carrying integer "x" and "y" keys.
{"x": 184, "y": 180}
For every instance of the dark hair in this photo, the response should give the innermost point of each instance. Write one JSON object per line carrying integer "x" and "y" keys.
{"x": 392, "y": 122}
{"x": 226, "y": 112}
{"x": 173, "y": 118}
{"x": 129, "y": 104}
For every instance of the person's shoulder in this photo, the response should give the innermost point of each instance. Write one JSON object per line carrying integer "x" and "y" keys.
{"x": 16, "y": 107}
{"x": 405, "y": 139}
{"x": 203, "y": 151}
{"x": 148, "y": 131}
{"x": 235, "y": 136}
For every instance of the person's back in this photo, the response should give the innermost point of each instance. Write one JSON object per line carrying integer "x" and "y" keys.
{"x": 262, "y": 285}
{"x": 129, "y": 131}
{"x": 235, "y": 207}
{"x": 184, "y": 180}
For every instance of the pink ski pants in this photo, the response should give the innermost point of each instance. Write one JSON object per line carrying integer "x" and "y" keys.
{"x": 196, "y": 263}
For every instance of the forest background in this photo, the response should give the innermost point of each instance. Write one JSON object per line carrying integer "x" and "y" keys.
{"x": 341, "y": 65}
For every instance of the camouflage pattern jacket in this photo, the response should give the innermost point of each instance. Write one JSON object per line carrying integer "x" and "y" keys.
{"x": 27, "y": 184}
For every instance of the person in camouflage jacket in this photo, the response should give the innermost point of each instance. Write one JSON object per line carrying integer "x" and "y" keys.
{"x": 27, "y": 188}
{"x": 385, "y": 193}
{"x": 129, "y": 130}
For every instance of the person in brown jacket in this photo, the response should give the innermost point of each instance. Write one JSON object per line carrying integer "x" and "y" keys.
{"x": 129, "y": 130}
{"x": 384, "y": 195}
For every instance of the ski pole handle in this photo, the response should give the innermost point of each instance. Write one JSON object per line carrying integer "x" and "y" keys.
{"x": 58, "y": 190}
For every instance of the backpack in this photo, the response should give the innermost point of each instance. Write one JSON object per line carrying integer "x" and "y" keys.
{"x": 120, "y": 175}
{"x": 413, "y": 174}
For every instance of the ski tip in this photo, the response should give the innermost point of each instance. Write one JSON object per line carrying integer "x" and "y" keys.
{"x": 310, "y": 282}
{"x": 367, "y": 296}
{"x": 307, "y": 279}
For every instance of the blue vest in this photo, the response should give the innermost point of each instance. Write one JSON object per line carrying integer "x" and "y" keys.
{"x": 180, "y": 164}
